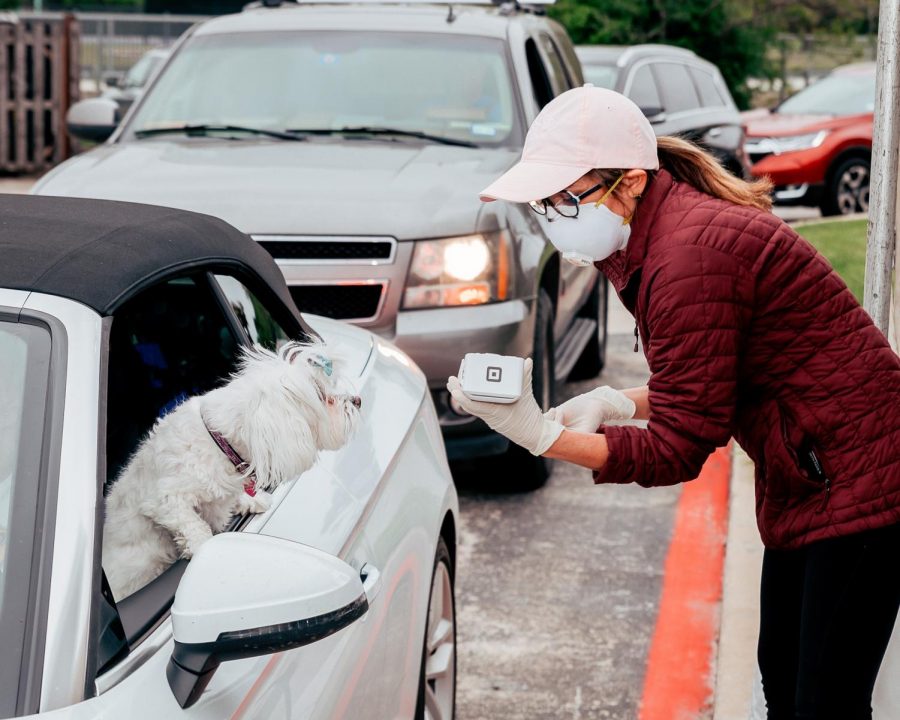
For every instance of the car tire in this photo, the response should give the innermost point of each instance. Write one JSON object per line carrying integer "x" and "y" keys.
{"x": 437, "y": 676}
{"x": 593, "y": 357}
{"x": 522, "y": 470}
{"x": 847, "y": 187}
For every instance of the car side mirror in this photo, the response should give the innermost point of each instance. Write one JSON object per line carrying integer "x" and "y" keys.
{"x": 654, "y": 115}
{"x": 113, "y": 80}
{"x": 93, "y": 120}
{"x": 245, "y": 595}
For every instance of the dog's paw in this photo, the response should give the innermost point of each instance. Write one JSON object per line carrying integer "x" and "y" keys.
{"x": 256, "y": 504}
{"x": 190, "y": 544}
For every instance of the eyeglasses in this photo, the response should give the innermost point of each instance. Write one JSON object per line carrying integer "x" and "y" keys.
{"x": 568, "y": 205}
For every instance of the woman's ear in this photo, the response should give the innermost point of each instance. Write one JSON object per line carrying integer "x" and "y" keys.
{"x": 634, "y": 182}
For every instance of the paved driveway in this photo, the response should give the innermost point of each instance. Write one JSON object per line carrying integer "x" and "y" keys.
{"x": 558, "y": 589}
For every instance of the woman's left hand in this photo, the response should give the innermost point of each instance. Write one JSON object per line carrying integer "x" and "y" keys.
{"x": 521, "y": 421}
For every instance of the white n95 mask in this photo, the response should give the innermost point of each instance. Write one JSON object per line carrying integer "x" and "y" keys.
{"x": 594, "y": 235}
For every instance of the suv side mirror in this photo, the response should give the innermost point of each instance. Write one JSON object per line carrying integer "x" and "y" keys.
{"x": 93, "y": 120}
{"x": 654, "y": 115}
{"x": 245, "y": 595}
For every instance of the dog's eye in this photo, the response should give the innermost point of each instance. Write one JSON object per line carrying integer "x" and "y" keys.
{"x": 322, "y": 362}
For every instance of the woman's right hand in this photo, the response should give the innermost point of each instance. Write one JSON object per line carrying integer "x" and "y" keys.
{"x": 585, "y": 413}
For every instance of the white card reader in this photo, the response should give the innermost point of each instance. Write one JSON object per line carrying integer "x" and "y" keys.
{"x": 492, "y": 378}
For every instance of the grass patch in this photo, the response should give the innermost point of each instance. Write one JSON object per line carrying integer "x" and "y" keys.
{"x": 844, "y": 244}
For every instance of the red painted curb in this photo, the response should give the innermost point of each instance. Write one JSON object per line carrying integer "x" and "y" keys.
{"x": 678, "y": 682}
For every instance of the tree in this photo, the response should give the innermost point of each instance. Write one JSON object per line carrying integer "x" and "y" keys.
{"x": 717, "y": 30}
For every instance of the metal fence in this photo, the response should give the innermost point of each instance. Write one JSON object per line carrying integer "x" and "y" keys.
{"x": 112, "y": 42}
{"x": 38, "y": 82}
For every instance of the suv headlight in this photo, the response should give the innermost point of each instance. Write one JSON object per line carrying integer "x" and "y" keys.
{"x": 791, "y": 143}
{"x": 466, "y": 270}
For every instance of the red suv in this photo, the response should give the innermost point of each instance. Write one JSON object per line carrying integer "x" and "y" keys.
{"x": 817, "y": 145}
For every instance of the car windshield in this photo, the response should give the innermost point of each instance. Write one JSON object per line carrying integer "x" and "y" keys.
{"x": 24, "y": 359}
{"x": 600, "y": 75}
{"x": 844, "y": 94}
{"x": 445, "y": 86}
{"x": 141, "y": 71}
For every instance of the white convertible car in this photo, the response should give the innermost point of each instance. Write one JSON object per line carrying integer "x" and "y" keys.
{"x": 335, "y": 603}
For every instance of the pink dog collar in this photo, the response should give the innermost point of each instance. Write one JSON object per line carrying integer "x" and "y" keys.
{"x": 239, "y": 463}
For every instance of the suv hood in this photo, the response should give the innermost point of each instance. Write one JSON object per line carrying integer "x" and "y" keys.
{"x": 351, "y": 187}
{"x": 783, "y": 124}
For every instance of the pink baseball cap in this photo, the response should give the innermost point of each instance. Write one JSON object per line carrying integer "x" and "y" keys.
{"x": 582, "y": 129}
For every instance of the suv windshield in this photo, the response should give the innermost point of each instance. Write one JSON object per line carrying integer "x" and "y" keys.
{"x": 450, "y": 86}
{"x": 850, "y": 94}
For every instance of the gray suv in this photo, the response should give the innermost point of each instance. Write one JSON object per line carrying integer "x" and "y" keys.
{"x": 679, "y": 92}
{"x": 351, "y": 142}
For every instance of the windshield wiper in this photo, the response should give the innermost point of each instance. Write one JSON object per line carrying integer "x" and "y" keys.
{"x": 206, "y": 129}
{"x": 368, "y": 130}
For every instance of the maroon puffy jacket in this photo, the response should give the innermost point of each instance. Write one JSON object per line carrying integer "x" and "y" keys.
{"x": 750, "y": 333}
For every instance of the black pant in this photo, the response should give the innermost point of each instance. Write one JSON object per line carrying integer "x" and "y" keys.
{"x": 827, "y": 612}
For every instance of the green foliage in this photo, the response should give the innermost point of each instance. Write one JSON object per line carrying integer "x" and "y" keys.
{"x": 717, "y": 30}
{"x": 733, "y": 34}
{"x": 844, "y": 244}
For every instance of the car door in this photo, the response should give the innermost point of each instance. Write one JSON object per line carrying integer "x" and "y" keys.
{"x": 171, "y": 341}
{"x": 354, "y": 503}
{"x": 683, "y": 111}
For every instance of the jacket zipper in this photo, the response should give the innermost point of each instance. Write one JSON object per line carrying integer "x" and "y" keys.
{"x": 826, "y": 481}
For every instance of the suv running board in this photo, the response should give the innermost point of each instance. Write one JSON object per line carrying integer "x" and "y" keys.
{"x": 570, "y": 348}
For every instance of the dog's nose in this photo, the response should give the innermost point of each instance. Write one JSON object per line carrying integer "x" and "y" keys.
{"x": 357, "y": 401}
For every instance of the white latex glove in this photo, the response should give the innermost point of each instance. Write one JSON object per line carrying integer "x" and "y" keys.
{"x": 585, "y": 413}
{"x": 521, "y": 421}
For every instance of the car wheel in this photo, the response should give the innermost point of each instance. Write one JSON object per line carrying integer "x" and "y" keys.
{"x": 524, "y": 471}
{"x": 848, "y": 188}
{"x": 593, "y": 357}
{"x": 437, "y": 677}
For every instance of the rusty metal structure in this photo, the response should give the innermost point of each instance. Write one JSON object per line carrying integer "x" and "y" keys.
{"x": 38, "y": 82}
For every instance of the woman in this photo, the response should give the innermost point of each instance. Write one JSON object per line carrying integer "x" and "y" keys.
{"x": 749, "y": 333}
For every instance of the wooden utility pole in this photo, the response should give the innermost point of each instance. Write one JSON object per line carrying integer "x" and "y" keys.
{"x": 882, "y": 231}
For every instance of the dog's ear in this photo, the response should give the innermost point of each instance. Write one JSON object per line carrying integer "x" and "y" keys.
{"x": 280, "y": 436}
{"x": 291, "y": 351}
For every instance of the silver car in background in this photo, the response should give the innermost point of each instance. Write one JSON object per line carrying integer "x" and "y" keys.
{"x": 351, "y": 142}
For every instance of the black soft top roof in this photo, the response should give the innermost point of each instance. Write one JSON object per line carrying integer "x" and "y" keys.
{"x": 101, "y": 252}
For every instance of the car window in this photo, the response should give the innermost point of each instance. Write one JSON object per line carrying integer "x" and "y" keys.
{"x": 256, "y": 320}
{"x": 559, "y": 78}
{"x": 841, "y": 94}
{"x": 167, "y": 344}
{"x": 141, "y": 71}
{"x": 454, "y": 86}
{"x": 25, "y": 360}
{"x": 706, "y": 86}
{"x": 643, "y": 90}
{"x": 605, "y": 76}
{"x": 540, "y": 80}
{"x": 678, "y": 92}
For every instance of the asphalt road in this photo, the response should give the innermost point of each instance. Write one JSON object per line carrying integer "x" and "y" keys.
{"x": 558, "y": 589}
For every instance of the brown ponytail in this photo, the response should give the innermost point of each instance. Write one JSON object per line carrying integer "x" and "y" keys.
{"x": 696, "y": 167}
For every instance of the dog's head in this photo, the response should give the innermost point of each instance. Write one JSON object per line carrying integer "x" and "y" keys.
{"x": 285, "y": 407}
{"x": 314, "y": 366}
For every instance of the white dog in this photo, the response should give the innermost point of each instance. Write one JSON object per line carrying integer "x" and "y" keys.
{"x": 180, "y": 487}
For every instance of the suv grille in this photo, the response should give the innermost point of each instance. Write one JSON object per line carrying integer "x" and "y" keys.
{"x": 328, "y": 250}
{"x": 341, "y": 301}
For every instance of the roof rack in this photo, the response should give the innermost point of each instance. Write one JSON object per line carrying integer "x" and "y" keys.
{"x": 505, "y": 6}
